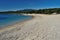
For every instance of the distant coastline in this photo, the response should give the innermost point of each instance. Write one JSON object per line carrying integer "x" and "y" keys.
{"x": 34, "y": 11}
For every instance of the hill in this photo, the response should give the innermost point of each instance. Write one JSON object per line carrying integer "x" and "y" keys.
{"x": 39, "y": 11}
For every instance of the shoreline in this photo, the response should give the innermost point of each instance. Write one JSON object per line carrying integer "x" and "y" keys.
{"x": 21, "y": 22}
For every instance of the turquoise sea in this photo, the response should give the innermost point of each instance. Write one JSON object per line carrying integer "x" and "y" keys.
{"x": 9, "y": 19}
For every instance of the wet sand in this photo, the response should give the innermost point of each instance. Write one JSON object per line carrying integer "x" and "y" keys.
{"x": 41, "y": 27}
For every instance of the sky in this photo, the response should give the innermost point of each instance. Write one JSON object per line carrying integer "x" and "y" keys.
{"x": 9, "y": 5}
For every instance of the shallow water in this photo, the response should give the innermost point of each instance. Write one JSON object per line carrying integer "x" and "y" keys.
{"x": 8, "y": 19}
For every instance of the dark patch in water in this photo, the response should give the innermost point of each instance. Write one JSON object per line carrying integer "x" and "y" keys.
{"x": 3, "y": 18}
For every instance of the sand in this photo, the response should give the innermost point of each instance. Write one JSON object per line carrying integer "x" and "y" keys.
{"x": 41, "y": 27}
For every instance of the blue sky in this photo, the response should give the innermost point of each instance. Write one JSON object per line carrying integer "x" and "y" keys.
{"x": 6, "y": 5}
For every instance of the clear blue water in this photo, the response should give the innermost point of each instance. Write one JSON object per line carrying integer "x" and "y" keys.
{"x": 9, "y": 19}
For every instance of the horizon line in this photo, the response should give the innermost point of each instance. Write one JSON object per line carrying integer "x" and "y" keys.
{"x": 28, "y": 8}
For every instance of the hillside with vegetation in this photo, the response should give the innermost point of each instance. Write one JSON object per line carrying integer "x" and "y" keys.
{"x": 39, "y": 11}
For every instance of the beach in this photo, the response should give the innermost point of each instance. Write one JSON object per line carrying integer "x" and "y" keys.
{"x": 40, "y": 27}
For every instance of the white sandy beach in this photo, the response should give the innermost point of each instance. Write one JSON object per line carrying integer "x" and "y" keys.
{"x": 41, "y": 27}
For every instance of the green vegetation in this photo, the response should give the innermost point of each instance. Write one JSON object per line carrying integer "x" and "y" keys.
{"x": 40, "y": 11}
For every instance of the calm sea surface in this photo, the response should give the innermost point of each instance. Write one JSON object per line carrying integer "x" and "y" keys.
{"x": 9, "y": 19}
